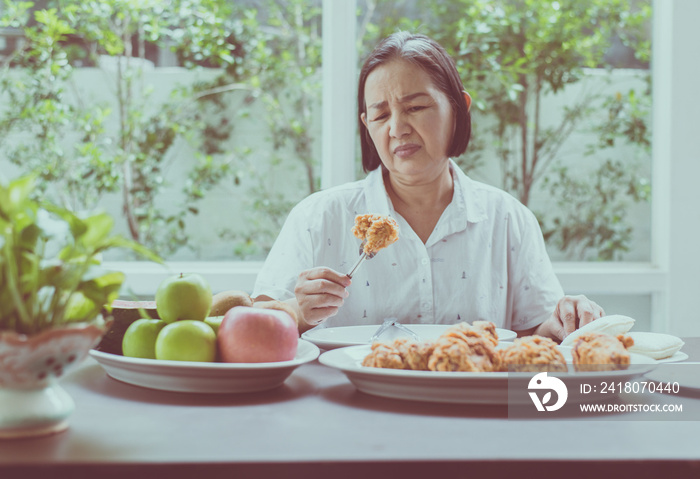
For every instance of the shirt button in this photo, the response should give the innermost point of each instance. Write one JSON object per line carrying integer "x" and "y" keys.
{"x": 425, "y": 261}
{"x": 426, "y": 305}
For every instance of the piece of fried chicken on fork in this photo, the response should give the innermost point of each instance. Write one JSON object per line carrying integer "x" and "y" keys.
{"x": 383, "y": 232}
{"x": 601, "y": 352}
{"x": 532, "y": 354}
{"x": 377, "y": 231}
{"x": 362, "y": 224}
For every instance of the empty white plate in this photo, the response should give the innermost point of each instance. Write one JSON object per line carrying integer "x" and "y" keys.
{"x": 340, "y": 337}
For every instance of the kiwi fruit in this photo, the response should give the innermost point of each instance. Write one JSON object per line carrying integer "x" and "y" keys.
{"x": 225, "y": 300}
{"x": 279, "y": 305}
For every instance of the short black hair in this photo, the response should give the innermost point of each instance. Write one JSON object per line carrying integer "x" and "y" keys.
{"x": 434, "y": 60}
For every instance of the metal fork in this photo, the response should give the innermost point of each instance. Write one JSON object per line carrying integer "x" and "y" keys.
{"x": 392, "y": 329}
{"x": 363, "y": 256}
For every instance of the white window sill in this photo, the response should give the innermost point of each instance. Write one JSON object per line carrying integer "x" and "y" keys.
{"x": 576, "y": 278}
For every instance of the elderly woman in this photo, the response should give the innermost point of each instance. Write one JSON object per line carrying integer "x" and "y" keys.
{"x": 467, "y": 251}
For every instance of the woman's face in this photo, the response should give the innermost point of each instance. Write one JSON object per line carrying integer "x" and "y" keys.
{"x": 410, "y": 121}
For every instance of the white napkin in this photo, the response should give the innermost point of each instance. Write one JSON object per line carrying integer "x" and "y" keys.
{"x": 655, "y": 345}
{"x": 613, "y": 325}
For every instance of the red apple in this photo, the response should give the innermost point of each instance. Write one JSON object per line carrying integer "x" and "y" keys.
{"x": 255, "y": 335}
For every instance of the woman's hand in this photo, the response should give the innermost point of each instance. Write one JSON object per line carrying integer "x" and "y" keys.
{"x": 571, "y": 313}
{"x": 319, "y": 293}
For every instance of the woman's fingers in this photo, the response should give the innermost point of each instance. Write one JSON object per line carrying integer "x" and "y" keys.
{"x": 326, "y": 273}
{"x": 320, "y": 293}
{"x": 576, "y": 311}
{"x": 565, "y": 312}
{"x": 320, "y": 286}
{"x": 587, "y": 311}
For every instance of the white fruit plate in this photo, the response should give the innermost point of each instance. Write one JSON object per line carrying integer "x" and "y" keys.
{"x": 194, "y": 377}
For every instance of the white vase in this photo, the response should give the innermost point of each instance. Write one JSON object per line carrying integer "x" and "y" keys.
{"x": 32, "y": 402}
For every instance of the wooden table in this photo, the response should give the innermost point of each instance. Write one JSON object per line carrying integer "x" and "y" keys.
{"x": 319, "y": 425}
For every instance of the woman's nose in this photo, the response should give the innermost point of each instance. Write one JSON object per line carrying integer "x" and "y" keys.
{"x": 398, "y": 126}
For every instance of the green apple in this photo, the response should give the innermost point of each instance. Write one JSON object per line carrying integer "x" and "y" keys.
{"x": 214, "y": 322}
{"x": 186, "y": 296}
{"x": 140, "y": 338}
{"x": 187, "y": 340}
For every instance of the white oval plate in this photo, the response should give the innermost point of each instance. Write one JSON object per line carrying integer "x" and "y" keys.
{"x": 458, "y": 387}
{"x": 677, "y": 357}
{"x": 343, "y": 336}
{"x": 195, "y": 377}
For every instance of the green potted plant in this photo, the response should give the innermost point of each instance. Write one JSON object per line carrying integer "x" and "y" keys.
{"x": 54, "y": 296}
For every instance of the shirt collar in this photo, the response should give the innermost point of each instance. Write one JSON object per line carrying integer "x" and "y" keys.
{"x": 467, "y": 195}
{"x": 375, "y": 193}
{"x": 461, "y": 210}
{"x": 467, "y": 203}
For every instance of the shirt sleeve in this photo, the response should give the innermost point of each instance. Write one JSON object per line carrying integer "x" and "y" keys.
{"x": 291, "y": 254}
{"x": 534, "y": 285}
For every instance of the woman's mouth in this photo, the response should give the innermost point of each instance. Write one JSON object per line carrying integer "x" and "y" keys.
{"x": 404, "y": 151}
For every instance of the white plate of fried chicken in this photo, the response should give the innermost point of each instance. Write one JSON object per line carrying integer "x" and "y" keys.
{"x": 468, "y": 364}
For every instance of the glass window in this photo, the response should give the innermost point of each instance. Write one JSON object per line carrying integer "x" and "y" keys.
{"x": 561, "y": 109}
{"x": 196, "y": 123}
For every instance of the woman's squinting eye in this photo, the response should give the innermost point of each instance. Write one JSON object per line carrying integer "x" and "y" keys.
{"x": 410, "y": 109}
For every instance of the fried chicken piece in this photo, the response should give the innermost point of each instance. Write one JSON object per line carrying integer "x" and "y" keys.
{"x": 485, "y": 329}
{"x": 462, "y": 347}
{"x": 601, "y": 352}
{"x": 362, "y": 224}
{"x": 401, "y": 353}
{"x": 532, "y": 354}
{"x": 378, "y": 231}
{"x": 464, "y": 352}
{"x": 384, "y": 355}
{"x": 417, "y": 354}
{"x": 383, "y": 232}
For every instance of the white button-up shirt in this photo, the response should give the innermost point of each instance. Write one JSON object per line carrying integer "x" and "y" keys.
{"x": 485, "y": 259}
